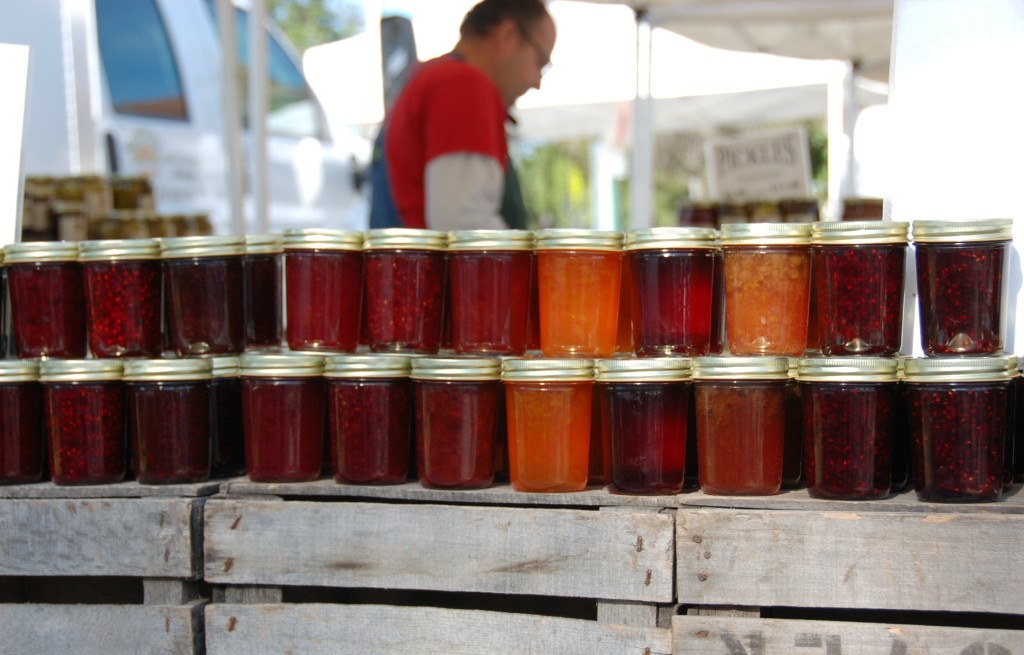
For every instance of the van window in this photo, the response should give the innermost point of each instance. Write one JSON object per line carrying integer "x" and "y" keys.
{"x": 142, "y": 74}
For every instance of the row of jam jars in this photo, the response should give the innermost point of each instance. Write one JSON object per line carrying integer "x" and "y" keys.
{"x": 46, "y": 288}
{"x": 227, "y": 436}
{"x": 261, "y": 285}
{"x": 22, "y": 454}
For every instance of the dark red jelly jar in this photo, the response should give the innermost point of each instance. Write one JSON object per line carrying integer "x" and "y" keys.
{"x": 204, "y": 299}
{"x": 85, "y": 420}
{"x": 793, "y": 442}
{"x": 456, "y": 406}
{"x": 21, "y": 422}
{"x": 405, "y": 289}
{"x": 489, "y": 290}
{"x": 123, "y": 286}
{"x": 644, "y": 407}
{"x": 672, "y": 276}
{"x": 283, "y": 415}
{"x": 227, "y": 438}
{"x": 369, "y": 410}
{"x": 859, "y": 273}
{"x": 47, "y": 299}
{"x": 962, "y": 281}
{"x": 324, "y": 287}
{"x": 262, "y": 279}
{"x": 958, "y": 410}
{"x": 850, "y": 420}
{"x": 169, "y": 419}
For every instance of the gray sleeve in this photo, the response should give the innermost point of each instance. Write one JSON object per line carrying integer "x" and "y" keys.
{"x": 463, "y": 192}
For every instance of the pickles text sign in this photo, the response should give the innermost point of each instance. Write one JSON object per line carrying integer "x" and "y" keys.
{"x": 759, "y": 166}
{"x": 13, "y": 80}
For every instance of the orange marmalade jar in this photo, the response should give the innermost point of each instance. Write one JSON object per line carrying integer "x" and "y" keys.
{"x": 767, "y": 287}
{"x": 579, "y": 277}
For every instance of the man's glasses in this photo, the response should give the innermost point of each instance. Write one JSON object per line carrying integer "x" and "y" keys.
{"x": 542, "y": 57}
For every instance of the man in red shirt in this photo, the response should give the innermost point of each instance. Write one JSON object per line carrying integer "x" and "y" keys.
{"x": 441, "y": 158}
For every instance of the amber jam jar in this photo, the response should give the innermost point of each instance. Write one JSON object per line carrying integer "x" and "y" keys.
{"x": 850, "y": 413}
{"x": 962, "y": 281}
{"x": 261, "y": 284}
{"x": 123, "y": 286}
{"x": 578, "y": 281}
{"x": 227, "y": 438}
{"x": 457, "y": 409}
{"x": 405, "y": 289}
{"x": 203, "y": 294}
{"x": 21, "y": 422}
{"x": 859, "y": 274}
{"x": 324, "y": 289}
{"x": 958, "y": 413}
{"x": 741, "y": 423}
{"x": 85, "y": 420}
{"x": 489, "y": 290}
{"x": 169, "y": 419}
{"x": 643, "y": 407}
{"x": 548, "y": 409}
{"x": 283, "y": 415}
{"x": 47, "y": 299}
{"x": 767, "y": 287}
{"x": 671, "y": 271}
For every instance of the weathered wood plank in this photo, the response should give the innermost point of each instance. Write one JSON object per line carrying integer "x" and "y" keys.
{"x": 555, "y": 552}
{"x": 700, "y": 635}
{"x": 141, "y": 537}
{"x": 129, "y": 489}
{"x": 642, "y": 615}
{"x": 161, "y": 591}
{"x": 373, "y": 629}
{"x": 763, "y": 558}
{"x": 251, "y": 595}
{"x": 100, "y": 629}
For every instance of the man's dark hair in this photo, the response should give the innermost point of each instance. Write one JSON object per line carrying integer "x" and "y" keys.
{"x": 487, "y": 14}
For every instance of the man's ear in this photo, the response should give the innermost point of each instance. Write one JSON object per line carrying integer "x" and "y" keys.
{"x": 506, "y": 35}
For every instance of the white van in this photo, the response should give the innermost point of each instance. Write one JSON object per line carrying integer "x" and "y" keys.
{"x": 132, "y": 87}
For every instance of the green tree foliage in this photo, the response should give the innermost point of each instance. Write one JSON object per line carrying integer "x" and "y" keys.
{"x": 313, "y": 22}
{"x": 555, "y": 181}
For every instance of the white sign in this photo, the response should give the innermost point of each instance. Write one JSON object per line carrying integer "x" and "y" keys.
{"x": 13, "y": 87}
{"x": 761, "y": 166}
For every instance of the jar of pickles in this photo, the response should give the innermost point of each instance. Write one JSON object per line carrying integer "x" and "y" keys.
{"x": 324, "y": 282}
{"x": 47, "y": 299}
{"x": 767, "y": 287}
{"x": 21, "y": 422}
{"x": 962, "y": 282}
{"x": 227, "y": 438}
{"x": 578, "y": 282}
{"x": 261, "y": 282}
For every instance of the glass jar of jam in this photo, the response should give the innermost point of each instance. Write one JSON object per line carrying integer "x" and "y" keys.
{"x": 578, "y": 281}
{"x": 405, "y": 289}
{"x": 21, "y": 422}
{"x": 548, "y": 405}
{"x": 369, "y": 408}
{"x": 324, "y": 289}
{"x": 741, "y": 423}
{"x": 203, "y": 294}
{"x": 283, "y": 415}
{"x": 859, "y": 273}
{"x": 962, "y": 281}
{"x": 958, "y": 410}
{"x": 672, "y": 276}
{"x": 767, "y": 287}
{"x": 169, "y": 419}
{"x": 489, "y": 290}
{"x": 123, "y": 286}
{"x": 793, "y": 439}
{"x": 47, "y": 299}
{"x": 84, "y": 407}
{"x": 227, "y": 438}
{"x": 261, "y": 283}
{"x": 699, "y": 214}
{"x": 643, "y": 405}
{"x": 456, "y": 405}
{"x": 850, "y": 412}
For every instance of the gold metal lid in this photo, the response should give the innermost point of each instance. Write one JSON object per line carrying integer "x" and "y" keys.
{"x": 119, "y": 250}
{"x": 490, "y": 240}
{"x": 456, "y": 368}
{"x": 264, "y": 244}
{"x": 224, "y": 366}
{"x": 671, "y": 237}
{"x": 30, "y": 252}
{"x": 202, "y": 246}
{"x": 740, "y": 368}
{"x": 367, "y": 366}
{"x": 80, "y": 370}
{"x": 858, "y": 232}
{"x": 18, "y": 370}
{"x": 280, "y": 365}
{"x": 960, "y": 369}
{"x": 539, "y": 369}
{"x": 989, "y": 229}
{"x": 765, "y": 234}
{"x": 167, "y": 370}
{"x": 652, "y": 369}
{"x": 403, "y": 238}
{"x": 847, "y": 369}
{"x": 574, "y": 239}
{"x": 323, "y": 239}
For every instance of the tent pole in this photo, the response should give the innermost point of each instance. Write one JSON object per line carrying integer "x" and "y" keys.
{"x": 258, "y": 114}
{"x": 840, "y": 132}
{"x": 642, "y": 177}
{"x": 232, "y": 126}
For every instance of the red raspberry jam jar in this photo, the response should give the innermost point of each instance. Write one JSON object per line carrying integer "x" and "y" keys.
{"x": 169, "y": 419}
{"x": 203, "y": 287}
{"x": 262, "y": 278}
{"x": 859, "y": 275}
{"x": 123, "y": 287}
{"x": 456, "y": 406}
{"x": 283, "y": 415}
{"x": 644, "y": 406}
{"x": 47, "y": 299}
{"x": 370, "y": 413}
{"x": 962, "y": 281}
{"x": 21, "y": 422}
{"x": 227, "y": 438}
{"x": 324, "y": 289}
{"x": 405, "y": 289}
{"x": 850, "y": 413}
{"x": 489, "y": 290}
{"x": 85, "y": 420}
{"x": 671, "y": 271}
